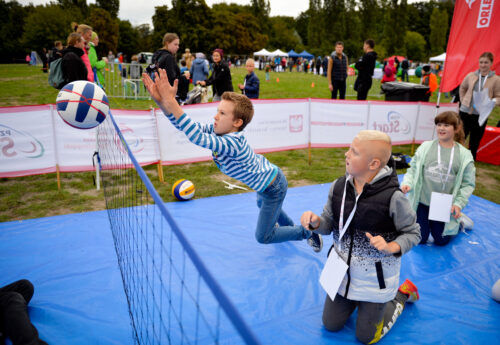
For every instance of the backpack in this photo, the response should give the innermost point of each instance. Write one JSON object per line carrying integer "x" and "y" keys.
{"x": 56, "y": 76}
{"x": 401, "y": 160}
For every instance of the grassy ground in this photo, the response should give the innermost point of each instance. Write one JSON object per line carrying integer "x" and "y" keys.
{"x": 38, "y": 196}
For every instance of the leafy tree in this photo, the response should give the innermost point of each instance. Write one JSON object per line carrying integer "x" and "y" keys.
{"x": 41, "y": 30}
{"x": 315, "y": 27}
{"x": 335, "y": 22}
{"x": 12, "y": 18}
{"x": 369, "y": 13}
{"x": 415, "y": 46}
{"x": 78, "y": 5}
{"x": 144, "y": 38}
{"x": 302, "y": 25}
{"x": 129, "y": 38}
{"x": 107, "y": 28}
{"x": 112, "y": 6}
{"x": 283, "y": 34}
{"x": 261, "y": 10}
{"x": 439, "y": 28}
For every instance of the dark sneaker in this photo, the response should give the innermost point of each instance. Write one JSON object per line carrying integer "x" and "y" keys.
{"x": 316, "y": 242}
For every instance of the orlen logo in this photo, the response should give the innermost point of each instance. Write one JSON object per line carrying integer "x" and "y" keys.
{"x": 134, "y": 142}
{"x": 485, "y": 11}
{"x": 396, "y": 123}
{"x": 14, "y": 142}
{"x": 296, "y": 123}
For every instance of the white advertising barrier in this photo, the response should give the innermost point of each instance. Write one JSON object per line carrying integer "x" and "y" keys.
{"x": 75, "y": 147}
{"x": 26, "y": 141}
{"x": 397, "y": 119}
{"x": 335, "y": 123}
{"x": 425, "y": 129}
{"x": 276, "y": 125}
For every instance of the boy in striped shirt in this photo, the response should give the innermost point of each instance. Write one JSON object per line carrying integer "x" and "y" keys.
{"x": 235, "y": 158}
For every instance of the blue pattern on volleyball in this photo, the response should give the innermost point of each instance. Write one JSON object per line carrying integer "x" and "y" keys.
{"x": 83, "y": 107}
{"x": 177, "y": 190}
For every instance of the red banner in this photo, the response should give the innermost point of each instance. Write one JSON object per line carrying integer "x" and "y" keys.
{"x": 475, "y": 29}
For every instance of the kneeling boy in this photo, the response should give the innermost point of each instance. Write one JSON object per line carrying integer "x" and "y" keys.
{"x": 372, "y": 224}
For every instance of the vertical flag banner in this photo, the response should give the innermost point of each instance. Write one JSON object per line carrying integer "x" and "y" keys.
{"x": 475, "y": 29}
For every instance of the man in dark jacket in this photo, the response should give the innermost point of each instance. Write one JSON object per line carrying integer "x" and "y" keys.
{"x": 251, "y": 85}
{"x": 72, "y": 65}
{"x": 337, "y": 71}
{"x": 365, "y": 66}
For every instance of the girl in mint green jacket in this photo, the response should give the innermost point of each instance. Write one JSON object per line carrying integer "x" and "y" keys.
{"x": 443, "y": 166}
{"x": 97, "y": 66}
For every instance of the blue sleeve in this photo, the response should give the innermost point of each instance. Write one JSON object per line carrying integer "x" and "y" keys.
{"x": 204, "y": 136}
{"x": 253, "y": 86}
{"x": 202, "y": 127}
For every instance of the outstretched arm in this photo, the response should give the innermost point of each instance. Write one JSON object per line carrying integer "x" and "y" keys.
{"x": 163, "y": 93}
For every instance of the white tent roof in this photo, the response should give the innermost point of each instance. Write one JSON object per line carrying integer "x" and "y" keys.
{"x": 278, "y": 52}
{"x": 263, "y": 52}
{"x": 441, "y": 58}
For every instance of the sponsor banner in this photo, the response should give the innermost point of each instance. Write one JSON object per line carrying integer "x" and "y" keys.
{"x": 334, "y": 124}
{"x": 474, "y": 30}
{"x": 425, "y": 126}
{"x": 397, "y": 120}
{"x": 75, "y": 147}
{"x": 26, "y": 142}
{"x": 279, "y": 126}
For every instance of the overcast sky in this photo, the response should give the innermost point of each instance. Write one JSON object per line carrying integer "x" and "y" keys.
{"x": 140, "y": 12}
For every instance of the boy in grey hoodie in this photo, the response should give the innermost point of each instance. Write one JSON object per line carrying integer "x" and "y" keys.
{"x": 372, "y": 224}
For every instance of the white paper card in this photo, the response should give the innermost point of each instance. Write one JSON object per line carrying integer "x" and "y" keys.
{"x": 483, "y": 104}
{"x": 332, "y": 274}
{"x": 440, "y": 207}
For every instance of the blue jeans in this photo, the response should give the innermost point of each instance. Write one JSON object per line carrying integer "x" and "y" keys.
{"x": 270, "y": 201}
{"x": 427, "y": 226}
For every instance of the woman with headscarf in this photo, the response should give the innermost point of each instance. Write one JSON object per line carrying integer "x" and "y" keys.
{"x": 164, "y": 58}
{"x": 221, "y": 76}
{"x": 482, "y": 79}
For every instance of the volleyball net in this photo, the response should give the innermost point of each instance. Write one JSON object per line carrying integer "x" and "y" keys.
{"x": 172, "y": 297}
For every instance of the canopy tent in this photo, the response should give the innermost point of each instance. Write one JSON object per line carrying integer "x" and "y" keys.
{"x": 400, "y": 58}
{"x": 263, "y": 52}
{"x": 293, "y": 54}
{"x": 278, "y": 52}
{"x": 440, "y": 58}
{"x": 306, "y": 55}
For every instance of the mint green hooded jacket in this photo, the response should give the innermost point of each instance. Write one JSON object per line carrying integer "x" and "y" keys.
{"x": 465, "y": 181}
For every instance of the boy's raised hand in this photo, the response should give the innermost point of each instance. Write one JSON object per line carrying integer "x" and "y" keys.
{"x": 309, "y": 220}
{"x": 162, "y": 92}
{"x": 382, "y": 246}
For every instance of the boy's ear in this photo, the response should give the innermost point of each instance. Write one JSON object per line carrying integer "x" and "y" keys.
{"x": 237, "y": 123}
{"x": 374, "y": 164}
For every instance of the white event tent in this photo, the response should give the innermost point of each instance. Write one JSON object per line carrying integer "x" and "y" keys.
{"x": 278, "y": 52}
{"x": 439, "y": 58}
{"x": 263, "y": 52}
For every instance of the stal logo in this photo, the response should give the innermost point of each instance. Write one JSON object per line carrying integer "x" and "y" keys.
{"x": 134, "y": 142}
{"x": 396, "y": 123}
{"x": 296, "y": 123}
{"x": 14, "y": 142}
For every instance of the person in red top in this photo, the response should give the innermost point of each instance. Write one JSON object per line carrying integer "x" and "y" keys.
{"x": 389, "y": 72}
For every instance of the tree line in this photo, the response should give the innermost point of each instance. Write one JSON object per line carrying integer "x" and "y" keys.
{"x": 417, "y": 30}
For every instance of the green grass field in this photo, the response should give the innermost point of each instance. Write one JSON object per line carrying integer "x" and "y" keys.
{"x": 38, "y": 196}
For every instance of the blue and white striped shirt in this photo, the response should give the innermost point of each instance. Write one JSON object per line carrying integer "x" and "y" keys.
{"x": 230, "y": 152}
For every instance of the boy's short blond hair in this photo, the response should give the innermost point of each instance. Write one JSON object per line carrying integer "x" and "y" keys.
{"x": 243, "y": 107}
{"x": 250, "y": 60}
{"x": 383, "y": 149}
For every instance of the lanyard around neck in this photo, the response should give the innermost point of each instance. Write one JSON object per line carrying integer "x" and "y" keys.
{"x": 481, "y": 85}
{"x": 449, "y": 165}
{"x": 343, "y": 227}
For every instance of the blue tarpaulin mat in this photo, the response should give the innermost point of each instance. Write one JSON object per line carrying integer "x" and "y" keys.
{"x": 79, "y": 297}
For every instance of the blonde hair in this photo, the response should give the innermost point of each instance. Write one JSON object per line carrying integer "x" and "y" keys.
{"x": 383, "y": 151}
{"x": 74, "y": 38}
{"x": 250, "y": 60}
{"x": 243, "y": 107}
{"x": 169, "y": 38}
{"x": 83, "y": 28}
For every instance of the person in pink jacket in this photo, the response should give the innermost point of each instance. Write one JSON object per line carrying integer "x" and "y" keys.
{"x": 86, "y": 32}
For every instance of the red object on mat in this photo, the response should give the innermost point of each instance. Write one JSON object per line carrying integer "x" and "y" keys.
{"x": 489, "y": 148}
